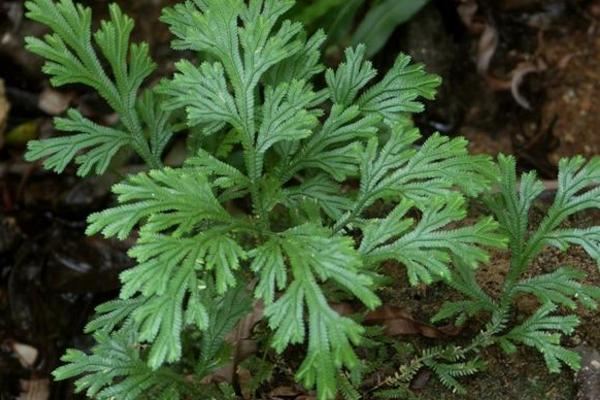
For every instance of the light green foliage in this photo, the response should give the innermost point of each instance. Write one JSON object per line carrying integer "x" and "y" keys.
{"x": 267, "y": 203}
{"x": 72, "y": 58}
{"x": 117, "y": 366}
{"x": 578, "y": 190}
{"x": 115, "y": 369}
{"x": 424, "y": 248}
{"x": 543, "y": 331}
{"x": 562, "y": 287}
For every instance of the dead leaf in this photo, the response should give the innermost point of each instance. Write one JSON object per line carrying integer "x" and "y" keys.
{"x": 498, "y": 84}
{"x": 25, "y": 353}
{"x": 243, "y": 345}
{"x": 420, "y": 381}
{"x": 23, "y": 133}
{"x": 244, "y": 378}
{"x": 566, "y": 59}
{"x": 241, "y": 336}
{"x": 398, "y": 321}
{"x": 486, "y": 48}
{"x": 518, "y": 74}
{"x": 467, "y": 10}
{"x": 35, "y": 389}
{"x": 284, "y": 391}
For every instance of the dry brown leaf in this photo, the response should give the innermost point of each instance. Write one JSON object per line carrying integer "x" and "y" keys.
{"x": 244, "y": 377}
{"x": 420, "y": 381}
{"x": 25, "y": 353}
{"x": 35, "y": 389}
{"x": 243, "y": 345}
{"x": 488, "y": 42}
{"x": 246, "y": 325}
{"x": 518, "y": 74}
{"x": 466, "y": 11}
{"x": 284, "y": 391}
{"x": 397, "y": 321}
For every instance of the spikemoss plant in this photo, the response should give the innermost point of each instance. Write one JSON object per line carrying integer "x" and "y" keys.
{"x": 271, "y": 202}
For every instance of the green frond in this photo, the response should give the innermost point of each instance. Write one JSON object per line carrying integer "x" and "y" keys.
{"x": 71, "y": 58}
{"x": 169, "y": 279}
{"x": 302, "y": 65}
{"x": 511, "y": 206}
{"x": 159, "y": 256}
{"x": 285, "y": 115}
{"x": 461, "y": 310}
{"x": 448, "y": 372}
{"x": 333, "y": 148}
{"x": 587, "y": 238}
{"x": 231, "y": 182}
{"x": 398, "y": 170}
{"x": 225, "y": 312}
{"x": 314, "y": 255}
{"x": 261, "y": 371}
{"x": 268, "y": 262}
{"x": 398, "y": 93}
{"x": 464, "y": 281}
{"x": 115, "y": 369}
{"x": 164, "y": 199}
{"x": 379, "y": 231}
{"x": 154, "y": 115}
{"x": 100, "y": 142}
{"x": 202, "y": 91}
{"x": 324, "y": 191}
{"x": 543, "y": 332}
{"x": 350, "y": 77}
{"x": 160, "y": 319}
{"x": 561, "y": 287}
{"x": 347, "y": 390}
{"x": 439, "y": 163}
{"x": 212, "y": 27}
{"x": 112, "y": 314}
{"x": 399, "y": 392}
{"x": 578, "y": 190}
{"x": 426, "y": 250}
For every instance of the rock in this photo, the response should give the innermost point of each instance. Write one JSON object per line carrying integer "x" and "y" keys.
{"x": 588, "y": 377}
{"x": 53, "y": 102}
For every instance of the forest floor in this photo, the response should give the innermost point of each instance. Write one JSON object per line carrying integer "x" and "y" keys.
{"x": 520, "y": 76}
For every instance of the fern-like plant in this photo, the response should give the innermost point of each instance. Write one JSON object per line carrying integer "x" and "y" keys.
{"x": 266, "y": 204}
{"x": 578, "y": 191}
{"x": 563, "y": 287}
{"x": 511, "y": 203}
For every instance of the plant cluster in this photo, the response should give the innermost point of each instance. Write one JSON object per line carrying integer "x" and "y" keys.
{"x": 544, "y": 330}
{"x": 273, "y": 202}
